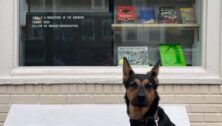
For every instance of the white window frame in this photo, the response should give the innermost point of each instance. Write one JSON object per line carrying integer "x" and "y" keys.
{"x": 11, "y": 73}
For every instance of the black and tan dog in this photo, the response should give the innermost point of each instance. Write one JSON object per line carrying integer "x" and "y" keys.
{"x": 142, "y": 98}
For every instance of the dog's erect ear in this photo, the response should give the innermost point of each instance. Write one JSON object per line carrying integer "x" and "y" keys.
{"x": 127, "y": 70}
{"x": 155, "y": 69}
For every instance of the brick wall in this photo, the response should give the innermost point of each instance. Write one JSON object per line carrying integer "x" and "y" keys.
{"x": 203, "y": 102}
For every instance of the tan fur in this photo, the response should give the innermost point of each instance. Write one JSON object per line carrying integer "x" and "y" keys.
{"x": 131, "y": 93}
{"x": 150, "y": 93}
{"x": 138, "y": 112}
{"x": 146, "y": 81}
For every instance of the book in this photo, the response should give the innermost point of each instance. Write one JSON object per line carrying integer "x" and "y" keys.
{"x": 135, "y": 55}
{"x": 172, "y": 55}
{"x": 125, "y": 13}
{"x": 187, "y": 15}
{"x": 168, "y": 14}
{"x": 147, "y": 15}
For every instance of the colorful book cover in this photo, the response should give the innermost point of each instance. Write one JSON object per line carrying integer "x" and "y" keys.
{"x": 147, "y": 15}
{"x": 135, "y": 55}
{"x": 125, "y": 13}
{"x": 187, "y": 15}
{"x": 168, "y": 15}
{"x": 172, "y": 55}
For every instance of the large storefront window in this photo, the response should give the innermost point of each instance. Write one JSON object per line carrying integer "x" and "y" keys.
{"x": 102, "y": 32}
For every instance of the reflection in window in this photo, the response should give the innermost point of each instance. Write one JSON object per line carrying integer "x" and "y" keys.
{"x": 101, "y": 32}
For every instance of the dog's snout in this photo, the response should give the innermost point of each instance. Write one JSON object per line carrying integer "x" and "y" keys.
{"x": 140, "y": 92}
{"x": 141, "y": 98}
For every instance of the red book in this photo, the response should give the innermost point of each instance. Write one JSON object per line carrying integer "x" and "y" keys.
{"x": 125, "y": 13}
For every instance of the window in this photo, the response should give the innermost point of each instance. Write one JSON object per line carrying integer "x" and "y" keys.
{"x": 102, "y": 32}
{"x": 66, "y": 33}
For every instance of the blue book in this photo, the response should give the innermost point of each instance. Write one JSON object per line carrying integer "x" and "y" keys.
{"x": 147, "y": 15}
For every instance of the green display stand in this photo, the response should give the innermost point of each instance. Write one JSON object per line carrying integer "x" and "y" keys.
{"x": 172, "y": 55}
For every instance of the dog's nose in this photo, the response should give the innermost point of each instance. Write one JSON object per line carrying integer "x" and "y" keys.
{"x": 141, "y": 98}
{"x": 140, "y": 101}
{"x": 140, "y": 94}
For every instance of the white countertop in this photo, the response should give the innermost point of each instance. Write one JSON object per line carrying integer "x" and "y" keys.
{"x": 82, "y": 115}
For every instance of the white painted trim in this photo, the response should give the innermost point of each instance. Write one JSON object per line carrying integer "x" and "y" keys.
{"x": 204, "y": 33}
{"x": 208, "y": 73}
{"x": 213, "y": 36}
{"x": 104, "y": 75}
{"x": 220, "y": 43}
{"x": 16, "y": 33}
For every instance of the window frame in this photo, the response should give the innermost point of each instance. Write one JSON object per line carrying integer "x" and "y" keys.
{"x": 209, "y": 73}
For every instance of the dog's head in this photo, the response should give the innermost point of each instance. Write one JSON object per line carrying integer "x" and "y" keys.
{"x": 141, "y": 90}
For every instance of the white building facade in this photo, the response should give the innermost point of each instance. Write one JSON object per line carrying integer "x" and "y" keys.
{"x": 25, "y": 80}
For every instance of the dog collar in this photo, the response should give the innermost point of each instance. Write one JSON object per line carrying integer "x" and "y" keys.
{"x": 155, "y": 118}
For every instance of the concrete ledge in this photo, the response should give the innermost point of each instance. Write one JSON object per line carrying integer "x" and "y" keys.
{"x": 82, "y": 115}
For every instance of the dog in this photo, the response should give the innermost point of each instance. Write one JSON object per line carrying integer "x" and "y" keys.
{"x": 142, "y": 99}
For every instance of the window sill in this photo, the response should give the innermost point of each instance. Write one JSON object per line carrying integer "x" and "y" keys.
{"x": 105, "y": 75}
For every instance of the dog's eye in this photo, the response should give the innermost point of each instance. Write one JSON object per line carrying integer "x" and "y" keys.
{"x": 150, "y": 85}
{"x": 133, "y": 84}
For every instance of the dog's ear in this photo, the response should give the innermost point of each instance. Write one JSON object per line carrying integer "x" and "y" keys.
{"x": 155, "y": 69}
{"x": 127, "y": 70}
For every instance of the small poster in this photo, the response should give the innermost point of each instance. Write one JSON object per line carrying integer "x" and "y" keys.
{"x": 172, "y": 55}
{"x": 125, "y": 13}
{"x": 135, "y": 55}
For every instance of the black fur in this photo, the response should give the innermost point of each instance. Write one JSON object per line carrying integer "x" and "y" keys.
{"x": 149, "y": 116}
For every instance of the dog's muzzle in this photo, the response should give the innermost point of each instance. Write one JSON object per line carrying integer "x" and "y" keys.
{"x": 140, "y": 100}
